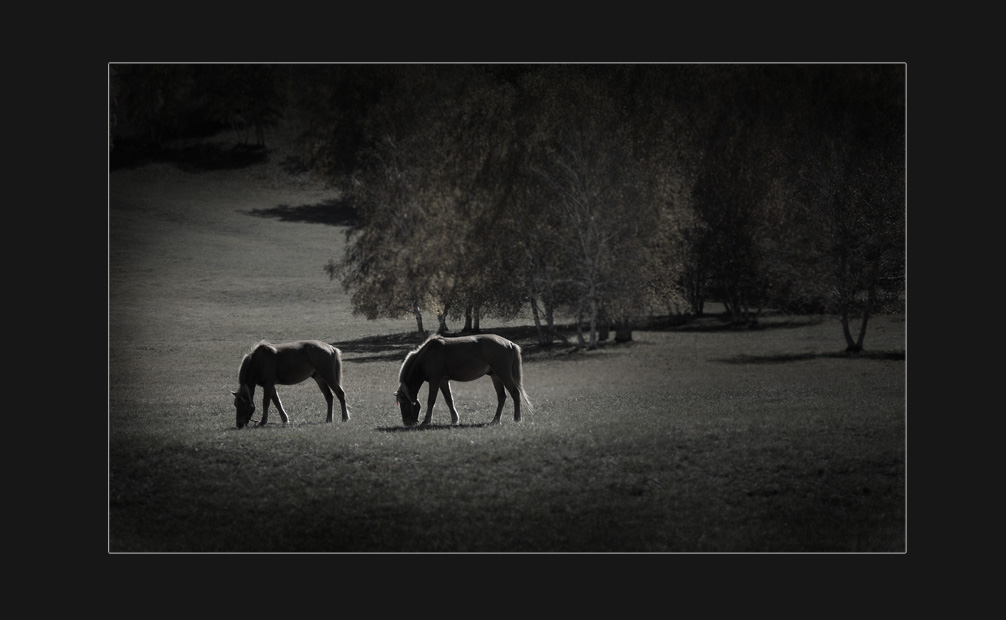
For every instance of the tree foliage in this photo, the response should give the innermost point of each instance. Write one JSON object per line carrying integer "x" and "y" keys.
{"x": 424, "y": 191}
{"x": 595, "y": 190}
{"x": 613, "y": 192}
{"x": 852, "y": 184}
{"x": 241, "y": 96}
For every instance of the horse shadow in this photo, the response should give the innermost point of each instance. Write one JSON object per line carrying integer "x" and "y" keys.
{"x": 419, "y": 428}
{"x": 278, "y": 425}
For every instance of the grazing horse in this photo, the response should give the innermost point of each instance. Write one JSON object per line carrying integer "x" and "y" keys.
{"x": 287, "y": 364}
{"x": 439, "y": 359}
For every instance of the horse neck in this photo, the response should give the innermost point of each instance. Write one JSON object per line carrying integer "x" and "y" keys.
{"x": 412, "y": 375}
{"x": 247, "y": 375}
{"x": 414, "y": 382}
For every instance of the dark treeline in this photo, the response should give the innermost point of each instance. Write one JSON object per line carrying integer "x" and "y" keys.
{"x": 606, "y": 192}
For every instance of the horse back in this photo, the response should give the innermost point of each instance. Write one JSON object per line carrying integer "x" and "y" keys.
{"x": 466, "y": 358}
{"x": 297, "y": 361}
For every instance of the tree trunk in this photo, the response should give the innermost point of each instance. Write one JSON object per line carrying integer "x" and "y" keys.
{"x": 537, "y": 320}
{"x": 623, "y": 330}
{"x": 550, "y": 324}
{"x": 694, "y": 289}
{"x": 442, "y": 320}
{"x": 468, "y": 320}
{"x": 603, "y": 324}
{"x": 850, "y": 344}
{"x": 857, "y": 346}
{"x": 419, "y": 318}
{"x": 477, "y": 315}
{"x": 579, "y": 331}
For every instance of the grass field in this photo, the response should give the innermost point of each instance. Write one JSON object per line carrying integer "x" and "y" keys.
{"x": 694, "y": 439}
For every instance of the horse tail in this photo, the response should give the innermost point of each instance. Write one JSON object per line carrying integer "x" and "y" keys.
{"x": 518, "y": 376}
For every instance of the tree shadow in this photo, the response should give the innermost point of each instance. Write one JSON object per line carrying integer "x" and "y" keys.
{"x": 394, "y": 347}
{"x": 335, "y": 212}
{"x": 722, "y": 323}
{"x": 785, "y": 358}
{"x": 202, "y": 157}
{"x": 390, "y": 347}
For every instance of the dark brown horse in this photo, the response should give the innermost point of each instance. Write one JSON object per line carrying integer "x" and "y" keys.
{"x": 439, "y": 360}
{"x": 287, "y": 364}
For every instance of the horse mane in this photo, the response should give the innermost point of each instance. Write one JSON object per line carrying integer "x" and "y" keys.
{"x": 413, "y": 356}
{"x": 244, "y": 374}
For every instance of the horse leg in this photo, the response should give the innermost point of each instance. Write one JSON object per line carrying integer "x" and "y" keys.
{"x": 434, "y": 383}
{"x": 341, "y": 395}
{"x": 445, "y": 387}
{"x": 271, "y": 391}
{"x": 500, "y": 396}
{"x": 327, "y": 391}
{"x": 515, "y": 394}
{"x": 265, "y": 405}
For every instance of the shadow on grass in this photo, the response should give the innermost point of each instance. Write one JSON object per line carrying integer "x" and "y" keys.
{"x": 394, "y": 347}
{"x": 277, "y": 424}
{"x": 386, "y": 348}
{"x": 335, "y": 212}
{"x": 429, "y": 427}
{"x": 785, "y": 358}
{"x": 202, "y": 157}
{"x": 715, "y": 323}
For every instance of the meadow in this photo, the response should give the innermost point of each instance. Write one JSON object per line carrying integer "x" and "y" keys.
{"x": 694, "y": 438}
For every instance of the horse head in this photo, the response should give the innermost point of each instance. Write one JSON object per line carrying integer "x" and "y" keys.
{"x": 408, "y": 406}
{"x": 244, "y": 406}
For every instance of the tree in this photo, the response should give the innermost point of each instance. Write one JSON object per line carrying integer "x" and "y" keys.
{"x": 733, "y": 152}
{"x": 333, "y": 105}
{"x": 241, "y": 96}
{"x": 581, "y": 151}
{"x": 424, "y": 192}
{"x": 852, "y": 179}
{"x": 473, "y": 144}
{"x": 730, "y": 200}
{"x": 389, "y": 263}
{"x": 152, "y": 102}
